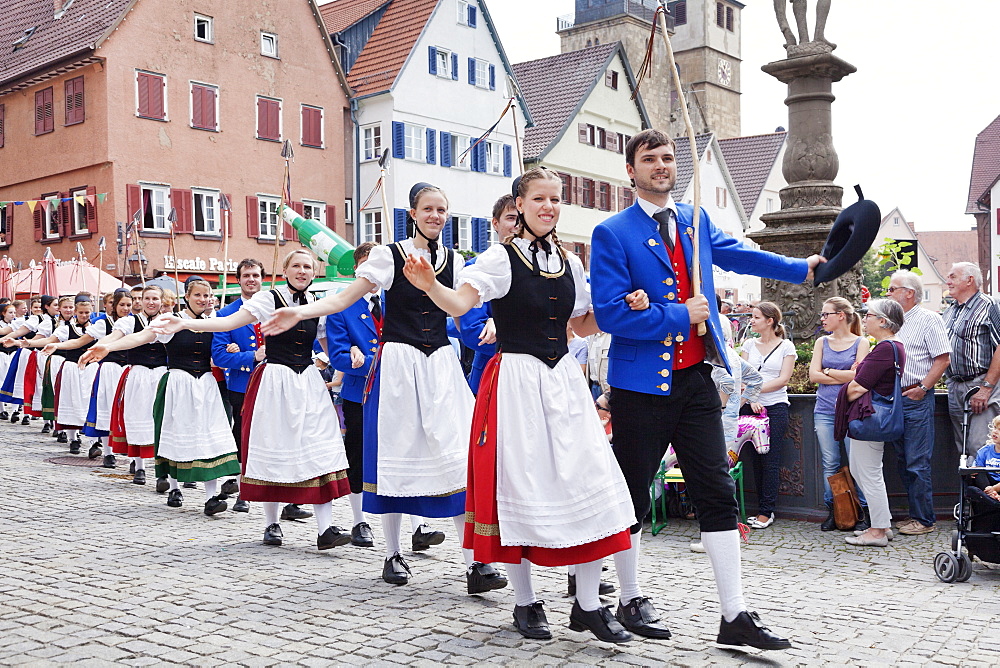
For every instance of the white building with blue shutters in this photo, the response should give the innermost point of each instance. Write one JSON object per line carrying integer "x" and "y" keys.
{"x": 430, "y": 78}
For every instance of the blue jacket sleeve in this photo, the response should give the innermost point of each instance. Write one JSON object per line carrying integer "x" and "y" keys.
{"x": 338, "y": 343}
{"x": 732, "y": 255}
{"x": 472, "y": 324}
{"x": 228, "y": 360}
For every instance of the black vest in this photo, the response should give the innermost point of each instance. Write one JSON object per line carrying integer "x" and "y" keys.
{"x": 410, "y": 315}
{"x": 531, "y": 318}
{"x": 190, "y": 351}
{"x": 149, "y": 355}
{"x": 74, "y": 333}
{"x": 292, "y": 348}
{"x": 116, "y": 356}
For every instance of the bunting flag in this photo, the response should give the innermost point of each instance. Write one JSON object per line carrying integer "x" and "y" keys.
{"x": 80, "y": 199}
{"x": 32, "y": 203}
{"x": 101, "y": 197}
{"x": 54, "y": 202}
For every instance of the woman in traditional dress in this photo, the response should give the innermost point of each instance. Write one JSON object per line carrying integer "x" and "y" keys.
{"x": 7, "y": 317}
{"x": 18, "y": 386}
{"x": 292, "y": 449}
{"x": 415, "y": 453}
{"x": 72, "y": 383}
{"x": 193, "y": 439}
{"x": 534, "y": 413}
{"x": 43, "y": 398}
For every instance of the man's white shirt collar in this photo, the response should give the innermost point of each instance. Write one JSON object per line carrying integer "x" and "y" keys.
{"x": 652, "y": 209}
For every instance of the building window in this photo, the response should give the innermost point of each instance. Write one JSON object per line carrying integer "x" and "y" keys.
{"x": 679, "y": 11}
{"x": 769, "y": 205}
{"x": 50, "y": 215}
{"x": 720, "y": 15}
{"x": 371, "y": 227}
{"x": 268, "y": 118}
{"x": 443, "y": 63}
{"x": 371, "y": 142}
{"x": 628, "y": 198}
{"x": 413, "y": 142}
{"x": 459, "y": 145}
{"x": 44, "y": 118}
{"x": 567, "y": 188}
{"x": 466, "y": 13}
{"x": 151, "y": 95}
{"x": 611, "y": 79}
{"x": 482, "y": 73}
{"x": 2, "y": 123}
{"x": 604, "y": 196}
{"x": 313, "y": 210}
{"x": 155, "y": 200}
{"x": 6, "y": 218}
{"x": 721, "y": 198}
{"x": 587, "y": 188}
{"x": 269, "y": 44}
{"x": 494, "y": 235}
{"x": 74, "y": 101}
{"x": 79, "y": 209}
{"x": 204, "y": 106}
{"x": 494, "y": 157}
{"x": 729, "y": 19}
{"x": 267, "y": 216}
{"x": 463, "y": 224}
{"x": 206, "y": 212}
{"x": 586, "y": 133}
{"x": 312, "y": 126}
{"x": 203, "y": 31}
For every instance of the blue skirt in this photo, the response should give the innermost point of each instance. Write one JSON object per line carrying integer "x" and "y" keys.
{"x": 425, "y": 506}
{"x": 90, "y": 428}
{"x": 7, "y": 390}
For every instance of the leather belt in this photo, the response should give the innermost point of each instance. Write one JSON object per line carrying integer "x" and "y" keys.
{"x": 965, "y": 379}
{"x": 910, "y": 387}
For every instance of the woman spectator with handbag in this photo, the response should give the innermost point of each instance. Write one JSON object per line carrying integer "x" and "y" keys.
{"x": 832, "y": 366}
{"x": 877, "y": 373}
{"x": 774, "y": 358}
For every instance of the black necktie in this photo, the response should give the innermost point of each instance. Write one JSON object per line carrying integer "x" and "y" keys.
{"x": 663, "y": 218}
{"x": 299, "y": 296}
{"x": 376, "y": 308}
{"x": 539, "y": 243}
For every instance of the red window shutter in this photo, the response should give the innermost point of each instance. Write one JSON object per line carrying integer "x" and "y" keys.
{"x": 274, "y": 119}
{"x": 208, "y": 108}
{"x": 157, "y": 107}
{"x": 288, "y": 231}
{"x": 227, "y": 215}
{"x": 253, "y": 218}
{"x": 133, "y": 199}
{"x": 50, "y": 121}
{"x": 65, "y": 215}
{"x": 998, "y": 210}
{"x": 74, "y": 101}
{"x": 39, "y": 113}
{"x": 583, "y": 133}
{"x": 2, "y": 111}
{"x": 142, "y": 88}
{"x": 312, "y": 127}
{"x": 39, "y": 218}
{"x": 92, "y": 210}
{"x": 182, "y": 200}
{"x": 331, "y": 217}
{"x": 261, "y": 118}
{"x": 577, "y": 196}
{"x": 9, "y": 238}
{"x": 197, "y": 108}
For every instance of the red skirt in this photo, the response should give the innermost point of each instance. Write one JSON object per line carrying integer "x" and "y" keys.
{"x": 482, "y": 526}
{"x": 319, "y": 490}
{"x": 30, "y": 383}
{"x": 118, "y": 438}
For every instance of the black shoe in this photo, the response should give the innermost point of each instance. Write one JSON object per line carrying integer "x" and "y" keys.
{"x": 131, "y": 466}
{"x": 333, "y": 537}
{"x": 109, "y": 462}
{"x": 865, "y": 523}
{"x": 26, "y": 420}
{"x": 747, "y": 629}
{"x": 600, "y": 622}
{"x": 15, "y": 418}
{"x": 241, "y": 506}
{"x": 175, "y": 499}
{"x": 424, "y": 539}
{"x": 140, "y": 478}
{"x": 641, "y": 618}
{"x": 61, "y": 436}
{"x": 293, "y": 512}
{"x": 483, "y": 578}
{"x": 395, "y": 571}
{"x": 272, "y": 535}
{"x": 362, "y": 536}
{"x": 215, "y": 505}
{"x": 74, "y": 447}
{"x": 530, "y": 622}
{"x": 95, "y": 451}
{"x": 606, "y": 588}
{"x": 230, "y": 487}
{"x": 4, "y": 415}
{"x": 162, "y": 484}
{"x": 829, "y": 524}
{"x": 189, "y": 485}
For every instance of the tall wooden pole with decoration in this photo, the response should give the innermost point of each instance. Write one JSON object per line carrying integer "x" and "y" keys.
{"x": 286, "y": 195}
{"x": 226, "y": 207}
{"x": 172, "y": 220}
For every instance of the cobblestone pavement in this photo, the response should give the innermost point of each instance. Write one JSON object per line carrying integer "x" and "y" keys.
{"x": 98, "y": 570}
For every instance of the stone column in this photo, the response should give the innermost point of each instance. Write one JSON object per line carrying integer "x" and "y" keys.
{"x": 811, "y": 200}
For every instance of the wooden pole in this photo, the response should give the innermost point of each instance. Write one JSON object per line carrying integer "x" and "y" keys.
{"x": 226, "y": 213}
{"x": 385, "y": 202}
{"x": 286, "y": 153}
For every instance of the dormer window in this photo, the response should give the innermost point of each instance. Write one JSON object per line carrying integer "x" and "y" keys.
{"x": 204, "y": 30}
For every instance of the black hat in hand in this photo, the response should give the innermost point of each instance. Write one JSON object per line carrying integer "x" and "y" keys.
{"x": 852, "y": 234}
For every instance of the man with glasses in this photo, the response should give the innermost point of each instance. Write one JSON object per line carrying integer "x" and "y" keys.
{"x": 927, "y": 356}
{"x": 973, "y": 324}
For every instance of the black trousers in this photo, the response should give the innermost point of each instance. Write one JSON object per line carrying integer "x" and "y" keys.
{"x": 354, "y": 443}
{"x": 690, "y": 419}
{"x": 236, "y": 401}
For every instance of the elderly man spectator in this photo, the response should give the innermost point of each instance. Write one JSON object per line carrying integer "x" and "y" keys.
{"x": 927, "y": 356}
{"x": 973, "y": 324}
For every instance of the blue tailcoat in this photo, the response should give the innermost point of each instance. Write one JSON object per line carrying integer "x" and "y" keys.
{"x": 628, "y": 254}
{"x": 238, "y": 366}
{"x": 354, "y": 326}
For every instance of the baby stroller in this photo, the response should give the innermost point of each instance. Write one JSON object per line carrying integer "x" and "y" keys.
{"x": 977, "y": 518}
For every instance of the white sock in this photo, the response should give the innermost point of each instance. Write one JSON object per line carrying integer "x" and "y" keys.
{"x": 627, "y": 568}
{"x": 415, "y": 522}
{"x": 106, "y": 448}
{"x": 324, "y": 515}
{"x": 211, "y": 488}
{"x": 271, "y": 511}
{"x": 391, "y": 523}
{"x": 172, "y": 482}
{"x": 460, "y": 528}
{"x": 519, "y": 576}
{"x": 723, "y": 549}
{"x": 73, "y": 434}
{"x": 588, "y": 583}
{"x": 355, "y": 500}
{"x": 571, "y": 569}
{"x": 140, "y": 463}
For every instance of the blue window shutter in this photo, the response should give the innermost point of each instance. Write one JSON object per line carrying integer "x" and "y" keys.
{"x": 506, "y": 160}
{"x": 493, "y": 77}
{"x": 480, "y": 234}
{"x": 472, "y": 16}
{"x": 399, "y": 224}
{"x": 398, "y": 141}
{"x": 431, "y": 148}
{"x": 481, "y": 158}
{"x": 432, "y": 60}
{"x": 472, "y": 71}
{"x": 473, "y": 158}
{"x": 454, "y": 66}
{"x": 446, "y": 149}
{"x": 446, "y": 234}
{"x": 475, "y": 235}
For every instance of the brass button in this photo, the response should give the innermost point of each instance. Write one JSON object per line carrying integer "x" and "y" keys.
{"x": 664, "y": 387}
{"x": 374, "y": 341}
{"x": 364, "y": 315}
{"x": 665, "y": 357}
{"x": 668, "y": 341}
{"x": 664, "y": 372}
{"x": 669, "y": 281}
{"x": 671, "y": 295}
{"x": 373, "y": 350}
{"x": 680, "y": 338}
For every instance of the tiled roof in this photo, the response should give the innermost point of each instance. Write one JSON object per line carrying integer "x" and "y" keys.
{"x": 947, "y": 248}
{"x": 682, "y": 156}
{"x": 79, "y": 29}
{"x": 342, "y": 14}
{"x": 750, "y": 160}
{"x": 553, "y": 88}
{"x": 985, "y": 165}
{"x": 385, "y": 53}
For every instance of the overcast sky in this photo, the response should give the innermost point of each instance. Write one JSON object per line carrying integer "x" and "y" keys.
{"x": 904, "y": 124}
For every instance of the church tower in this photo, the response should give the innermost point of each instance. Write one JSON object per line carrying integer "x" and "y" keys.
{"x": 705, "y": 35}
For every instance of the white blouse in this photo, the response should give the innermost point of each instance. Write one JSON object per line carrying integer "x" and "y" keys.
{"x": 490, "y": 275}
{"x": 380, "y": 268}
{"x": 99, "y": 328}
{"x": 770, "y": 369}
{"x": 261, "y": 305}
{"x": 62, "y": 332}
{"x": 126, "y": 325}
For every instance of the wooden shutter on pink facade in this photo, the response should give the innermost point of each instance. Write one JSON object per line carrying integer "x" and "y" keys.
{"x": 74, "y": 101}
{"x": 289, "y": 232}
{"x": 312, "y": 127}
{"x": 2, "y": 122}
{"x": 65, "y": 215}
{"x": 91, "y": 209}
{"x": 203, "y": 107}
{"x": 253, "y": 218}
{"x": 224, "y": 214}
{"x": 133, "y": 199}
{"x": 150, "y": 87}
{"x": 331, "y": 217}
{"x": 268, "y": 119}
{"x": 9, "y": 237}
{"x": 38, "y": 218}
{"x": 43, "y": 112}
{"x": 182, "y": 200}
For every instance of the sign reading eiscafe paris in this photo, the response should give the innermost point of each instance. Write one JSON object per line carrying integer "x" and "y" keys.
{"x": 198, "y": 264}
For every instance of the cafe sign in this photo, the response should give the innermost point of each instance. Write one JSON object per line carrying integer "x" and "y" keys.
{"x": 211, "y": 264}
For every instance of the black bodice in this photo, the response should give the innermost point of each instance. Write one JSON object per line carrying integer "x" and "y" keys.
{"x": 411, "y": 317}
{"x": 190, "y": 351}
{"x": 75, "y": 332}
{"x": 292, "y": 348}
{"x": 149, "y": 355}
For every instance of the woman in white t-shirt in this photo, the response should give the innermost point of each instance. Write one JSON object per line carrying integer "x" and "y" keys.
{"x": 774, "y": 358}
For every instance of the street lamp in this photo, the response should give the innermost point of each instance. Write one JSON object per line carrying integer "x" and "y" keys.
{"x": 137, "y": 264}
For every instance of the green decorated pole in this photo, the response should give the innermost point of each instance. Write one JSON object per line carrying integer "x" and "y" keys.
{"x": 321, "y": 240}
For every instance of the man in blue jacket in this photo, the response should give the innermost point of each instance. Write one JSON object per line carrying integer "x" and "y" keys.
{"x": 238, "y": 352}
{"x": 662, "y": 392}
